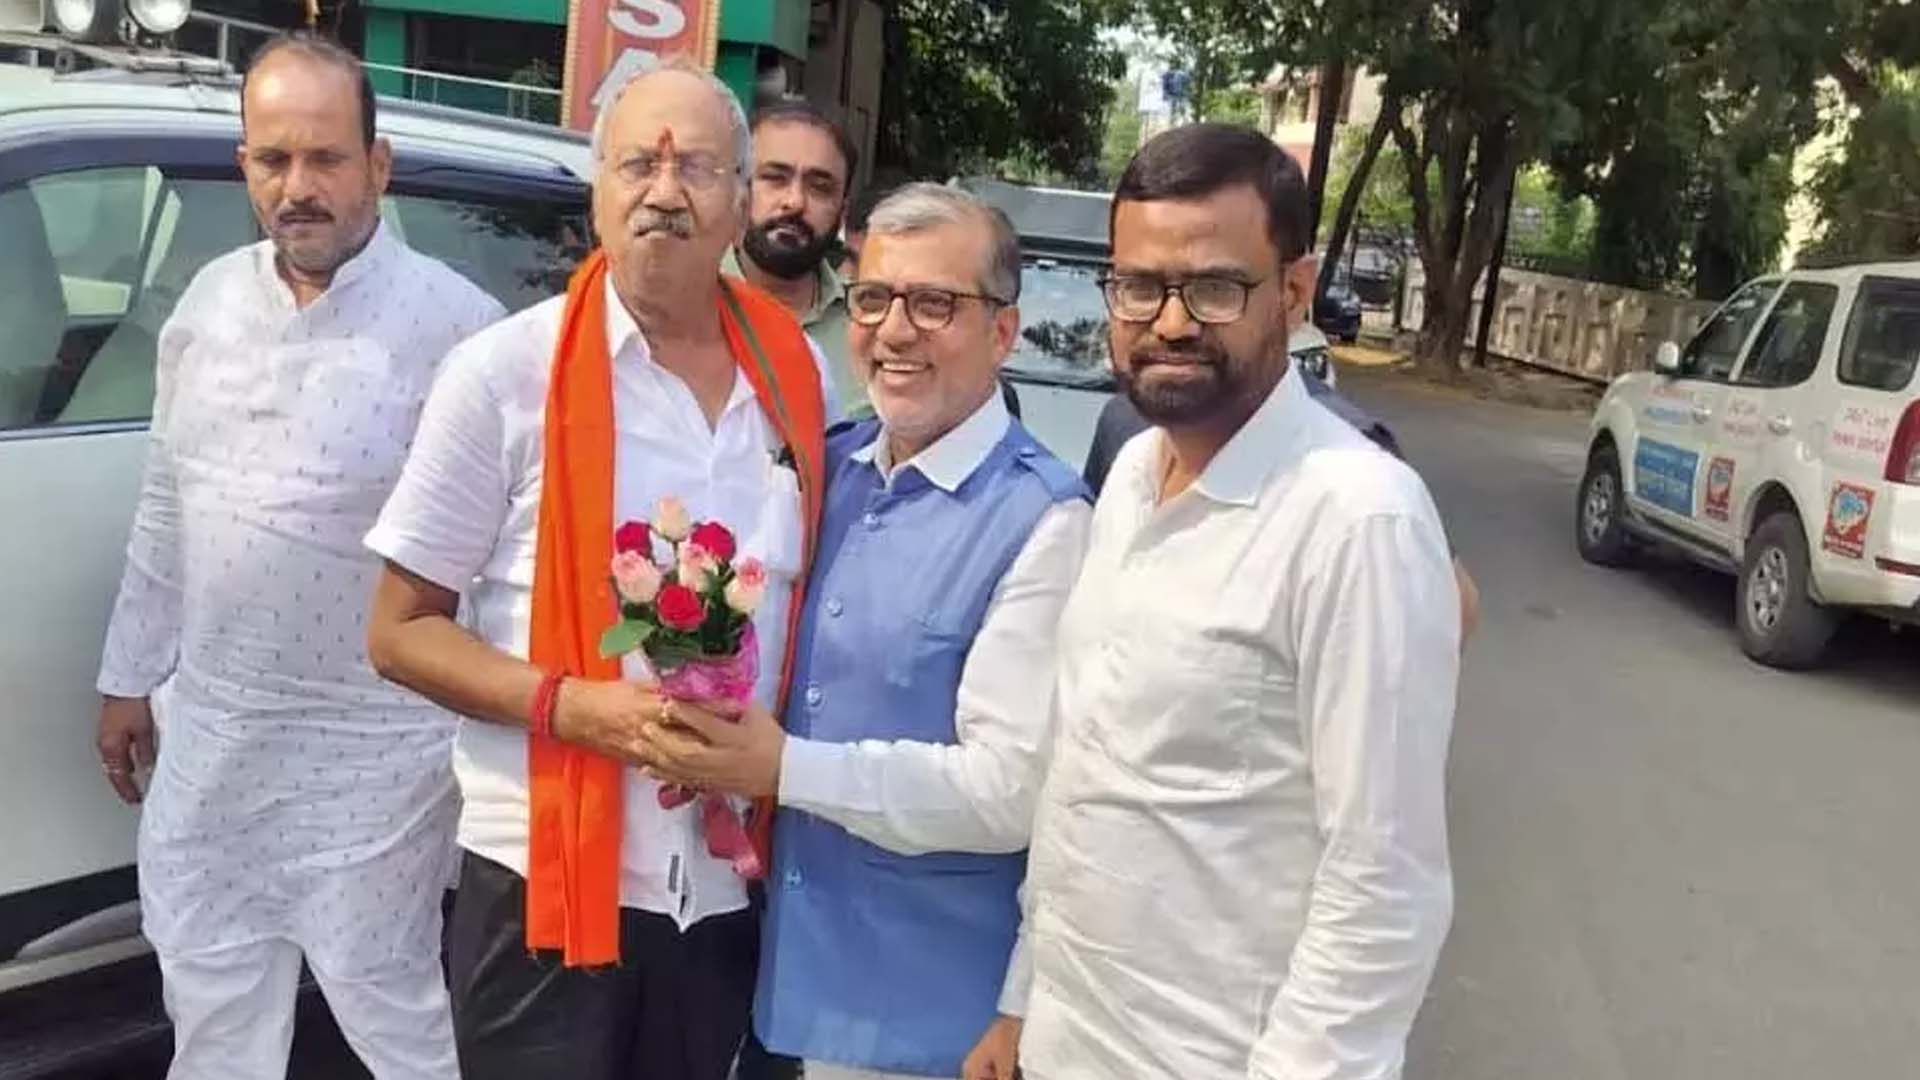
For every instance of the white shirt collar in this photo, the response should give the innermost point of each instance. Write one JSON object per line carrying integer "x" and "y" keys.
{"x": 622, "y": 329}
{"x": 1269, "y": 441}
{"x": 954, "y": 456}
{"x": 627, "y": 344}
{"x": 370, "y": 257}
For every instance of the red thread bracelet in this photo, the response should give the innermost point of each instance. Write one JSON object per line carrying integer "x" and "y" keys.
{"x": 540, "y": 720}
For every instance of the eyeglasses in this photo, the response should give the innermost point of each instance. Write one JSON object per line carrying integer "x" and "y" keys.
{"x": 697, "y": 171}
{"x": 1211, "y": 298}
{"x": 868, "y": 303}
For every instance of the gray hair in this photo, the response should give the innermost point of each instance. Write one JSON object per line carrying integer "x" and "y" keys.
{"x": 736, "y": 115}
{"x": 916, "y": 207}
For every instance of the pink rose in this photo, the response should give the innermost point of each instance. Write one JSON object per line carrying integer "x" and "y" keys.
{"x": 748, "y": 588}
{"x": 696, "y": 563}
{"x": 670, "y": 519}
{"x": 636, "y": 577}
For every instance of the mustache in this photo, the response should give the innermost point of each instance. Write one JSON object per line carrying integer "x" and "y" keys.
{"x": 1186, "y": 352}
{"x": 790, "y": 221}
{"x": 303, "y": 212}
{"x": 648, "y": 220}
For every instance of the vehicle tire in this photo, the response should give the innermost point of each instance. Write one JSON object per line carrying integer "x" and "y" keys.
{"x": 1598, "y": 530}
{"x": 1780, "y": 624}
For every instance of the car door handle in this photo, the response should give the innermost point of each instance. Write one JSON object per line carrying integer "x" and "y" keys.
{"x": 1780, "y": 425}
{"x": 1702, "y": 414}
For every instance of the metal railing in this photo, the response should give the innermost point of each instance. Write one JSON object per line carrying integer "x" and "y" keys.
{"x": 232, "y": 40}
{"x": 517, "y": 100}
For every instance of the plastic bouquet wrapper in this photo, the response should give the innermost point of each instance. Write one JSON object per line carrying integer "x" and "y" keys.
{"x": 691, "y": 616}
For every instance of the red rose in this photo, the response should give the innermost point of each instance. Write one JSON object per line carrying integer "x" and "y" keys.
{"x": 680, "y": 607}
{"x": 715, "y": 538}
{"x": 633, "y": 536}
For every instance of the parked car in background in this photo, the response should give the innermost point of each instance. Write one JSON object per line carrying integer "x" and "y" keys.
{"x": 1373, "y": 273}
{"x": 115, "y": 189}
{"x": 1781, "y": 445}
{"x": 1336, "y": 308}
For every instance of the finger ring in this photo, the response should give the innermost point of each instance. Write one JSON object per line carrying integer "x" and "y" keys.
{"x": 111, "y": 769}
{"x": 666, "y": 711}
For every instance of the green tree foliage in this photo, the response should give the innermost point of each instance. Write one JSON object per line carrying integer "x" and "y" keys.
{"x": 1121, "y": 134}
{"x": 1868, "y": 190}
{"x": 972, "y": 84}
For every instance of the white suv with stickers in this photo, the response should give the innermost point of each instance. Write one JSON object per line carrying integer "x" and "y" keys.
{"x": 1782, "y": 444}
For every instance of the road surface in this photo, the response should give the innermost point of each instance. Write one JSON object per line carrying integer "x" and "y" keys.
{"x": 1669, "y": 862}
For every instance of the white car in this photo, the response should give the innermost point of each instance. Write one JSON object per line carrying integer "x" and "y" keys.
{"x": 115, "y": 189}
{"x": 1782, "y": 445}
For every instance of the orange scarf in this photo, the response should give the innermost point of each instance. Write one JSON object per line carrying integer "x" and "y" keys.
{"x": 573, "y": 846}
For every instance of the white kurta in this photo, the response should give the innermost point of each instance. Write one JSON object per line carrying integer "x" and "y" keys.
{"x": 297, "y": 796}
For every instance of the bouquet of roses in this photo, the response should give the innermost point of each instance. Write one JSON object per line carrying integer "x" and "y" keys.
{"x": 692, "y": 617}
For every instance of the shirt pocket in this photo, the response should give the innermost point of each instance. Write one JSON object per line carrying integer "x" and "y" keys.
{"x": 1182, "y": 709}
{"x": 357, "y": 412}
{"x": 931, "y": 650}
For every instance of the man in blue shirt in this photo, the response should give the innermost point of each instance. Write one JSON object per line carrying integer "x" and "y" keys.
{"x": 910, "y": 760}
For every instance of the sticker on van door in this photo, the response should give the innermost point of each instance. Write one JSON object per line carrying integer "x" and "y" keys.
{"x": 1663, "y": 475}
{"x": 1741, "y": 424}
{"x": 1719, "y": 500}
{"x": 1849, "y": 511}
{"x": 1862, "y": 433}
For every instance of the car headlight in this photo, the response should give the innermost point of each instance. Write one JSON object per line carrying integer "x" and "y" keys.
{"x": 99, "y": 20}
{"x": 159, "y": 16}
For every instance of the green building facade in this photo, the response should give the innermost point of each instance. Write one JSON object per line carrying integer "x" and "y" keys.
{"x": 457, "y": 51}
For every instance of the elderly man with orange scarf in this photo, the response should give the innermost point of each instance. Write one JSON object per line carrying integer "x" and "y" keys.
{"x": 594, "y": 936}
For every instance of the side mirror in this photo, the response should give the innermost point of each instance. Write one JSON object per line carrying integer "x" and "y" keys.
{"x": 1666, "y": 358}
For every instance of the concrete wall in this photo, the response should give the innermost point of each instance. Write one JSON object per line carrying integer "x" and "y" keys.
{"x": 1576, "y": 327}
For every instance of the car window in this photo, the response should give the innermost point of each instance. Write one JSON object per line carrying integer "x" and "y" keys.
{"x": 1787, "y": 350}
{"x": 99, "y": 257}
{"x": 96, "y": 259}
{"x": 1713, "y": 351}
{"x": 520, "y": 251}
{"x": 1883, "y": 335}
{"x": 1063, "y": 323}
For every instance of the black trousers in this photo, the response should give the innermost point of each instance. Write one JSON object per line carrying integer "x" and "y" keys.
{"x": 675, "y": 1008}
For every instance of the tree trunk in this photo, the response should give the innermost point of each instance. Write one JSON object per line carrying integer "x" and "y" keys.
{"x": 1356, "y": 187}
{"x": 1333, "y": 85}
{"x": 1444, "y": 326}
{"x": 1455, "y": 260}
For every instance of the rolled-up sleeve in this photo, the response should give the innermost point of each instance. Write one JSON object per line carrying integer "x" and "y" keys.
{"x": 978, "y": 793}
{"x": 1377, "y": 635}
{"x": 444, "y": 516}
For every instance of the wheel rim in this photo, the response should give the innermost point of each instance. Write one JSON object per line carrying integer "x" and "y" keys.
{"x": 1596, "y": 514}
{"x": 1767, "y": 590}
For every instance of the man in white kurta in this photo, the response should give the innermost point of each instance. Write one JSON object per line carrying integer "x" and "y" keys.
{"x": 299, "y": 804}
{"x": 1239, "y": 864}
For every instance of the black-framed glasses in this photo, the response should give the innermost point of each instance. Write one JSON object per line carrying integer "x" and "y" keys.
{"x": 697, "y": 171}
{"x": 868, "y": 303}
{"x": 1210, "y": 298}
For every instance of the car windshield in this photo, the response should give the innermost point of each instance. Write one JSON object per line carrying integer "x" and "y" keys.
{"x": 1063, "y": 324}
